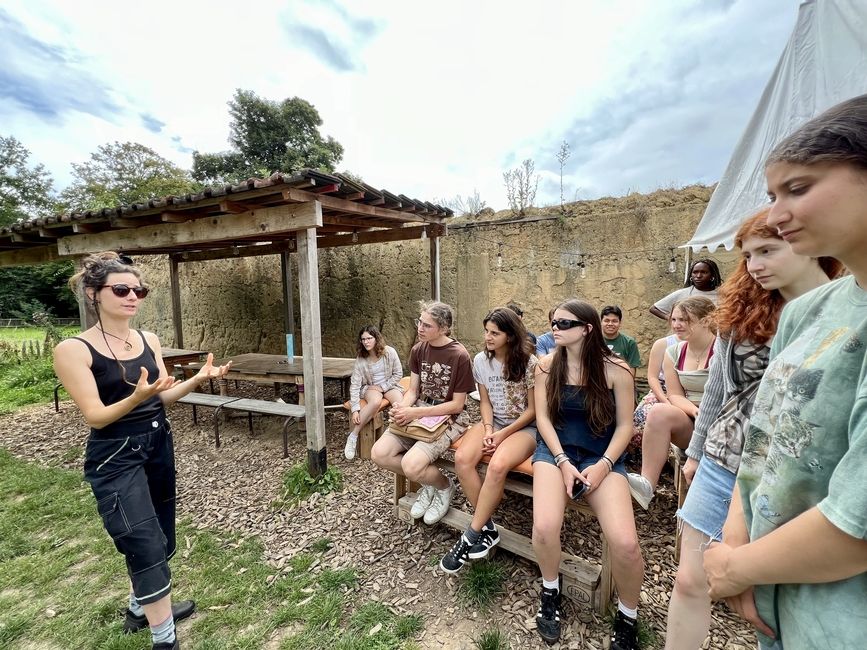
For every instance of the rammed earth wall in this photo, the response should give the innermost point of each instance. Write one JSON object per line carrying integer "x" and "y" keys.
{"x": 236, "y": 306}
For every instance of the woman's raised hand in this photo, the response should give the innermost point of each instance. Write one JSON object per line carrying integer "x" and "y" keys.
{"x": 208, "y": 371}
{"x": 144, "y": 390}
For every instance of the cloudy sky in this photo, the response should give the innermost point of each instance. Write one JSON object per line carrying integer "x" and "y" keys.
{"x": 429, "y": 99}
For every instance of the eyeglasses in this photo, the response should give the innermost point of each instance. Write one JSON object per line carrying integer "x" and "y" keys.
{"x": 122, "y": 290}
{"x": 367, "y": 338}
{"x": 566, "y": 324}
{"x": 425, "y": 326}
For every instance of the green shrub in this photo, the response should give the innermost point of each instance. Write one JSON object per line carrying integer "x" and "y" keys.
{"x": 298, "y": 485}
{"x": 481, "y": 583}
{"x": 493, "y": 639}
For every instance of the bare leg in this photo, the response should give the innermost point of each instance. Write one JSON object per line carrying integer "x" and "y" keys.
{"x": 388, "y": 453}
{"x": 689, "y": 609}
{"x": 159, "y": 611}
{"x": 417, "y": 466}
{"x": 467, "y": 457}
{"x": 665, "y": 424}
{"x": 373, "y": 399}
{"x": 513, "y": 451}
{"x": 612, "y": 504}
{"x": 549, "y": 506}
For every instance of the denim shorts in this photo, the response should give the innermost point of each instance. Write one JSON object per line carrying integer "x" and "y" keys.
{"x": 707, "y": 502}
{"x": 582, "y": 462}
{"x": 132, "y": 476}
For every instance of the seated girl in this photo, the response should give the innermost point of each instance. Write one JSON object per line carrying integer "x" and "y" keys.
{"x": 507, "y": 432}
{"x": 376, "y": 375}
{"x": 657, "y": 393}
{"x": 686, "y": 370}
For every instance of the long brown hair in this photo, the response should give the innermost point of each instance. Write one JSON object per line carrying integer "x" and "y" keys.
{"x": 379, "y": 346}
{"x": 746, "y": 311}
{"x": 517, "y": 343}
{"x": 598, "y": 399}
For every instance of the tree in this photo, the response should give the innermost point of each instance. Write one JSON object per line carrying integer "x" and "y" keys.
{"x": 562, "y": 156}
{"x": 521, "y": 184}
{"x": 267, "y": 137}
{"x": 25, "y": 192}
{"x": 121, "y": 174}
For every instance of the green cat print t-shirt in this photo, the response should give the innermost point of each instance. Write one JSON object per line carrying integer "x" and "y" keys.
{"x": 806, "y": 447}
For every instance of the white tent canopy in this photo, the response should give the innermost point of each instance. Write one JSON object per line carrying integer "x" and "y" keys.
{"x": 825, "y": 62}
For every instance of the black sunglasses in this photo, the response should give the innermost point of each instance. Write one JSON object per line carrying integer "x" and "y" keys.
{"x": 124, "y": 259}
{"x": 122, "y": 290}
{"x": 566, "y": 324}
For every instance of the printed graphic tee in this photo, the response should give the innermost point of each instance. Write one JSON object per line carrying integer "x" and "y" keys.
{"x": 508, "y": 398}
{"x": 442, "y": 371}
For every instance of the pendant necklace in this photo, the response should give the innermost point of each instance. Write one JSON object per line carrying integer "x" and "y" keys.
{"x": 126, "y": 344}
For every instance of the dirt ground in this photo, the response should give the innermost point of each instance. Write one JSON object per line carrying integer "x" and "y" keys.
{"x": 232, "y": 489}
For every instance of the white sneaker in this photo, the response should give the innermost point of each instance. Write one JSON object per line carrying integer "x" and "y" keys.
{"x": 351, "y": 444}
{"x": 640, "y": 489}
{"x": 422, "y": 501}
{"x": 439, "y": 505}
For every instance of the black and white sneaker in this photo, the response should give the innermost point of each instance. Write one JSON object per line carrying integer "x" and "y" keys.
{"x": 548, "y": 617}
{"x": 488, "y": 539}
{"x": 625, "y": 636}
{"x": 456, "y": 557}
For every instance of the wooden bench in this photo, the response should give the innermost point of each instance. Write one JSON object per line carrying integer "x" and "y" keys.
{"x": 678, "y": 458}
{"x": 292, "y": 412}
{"x": 586, "y": 583}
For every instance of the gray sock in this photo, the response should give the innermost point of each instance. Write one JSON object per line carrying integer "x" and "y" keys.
{"x": 472, "y": 535}
{"x": 164, "y": 632}
{"x": 134, "y": 607}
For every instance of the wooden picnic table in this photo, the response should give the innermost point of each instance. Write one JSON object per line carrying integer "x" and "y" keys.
{"x": 178, "y": 356}
{"x": 277, "y": 369}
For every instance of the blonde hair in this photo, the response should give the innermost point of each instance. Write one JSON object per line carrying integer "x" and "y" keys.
{"x": 442, "y": 314}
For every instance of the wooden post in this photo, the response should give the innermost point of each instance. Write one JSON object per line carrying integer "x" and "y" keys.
{"x": 86, "y": 315}
{"x": 175, "y": 289}
{"x": 435, "y": 268}
{"x": 288, "y": 293}
{"x": 311, "y": 337}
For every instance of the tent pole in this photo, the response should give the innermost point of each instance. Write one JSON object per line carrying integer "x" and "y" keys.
{"x": 435, "y": 268}
{"x": 175, "y": 291}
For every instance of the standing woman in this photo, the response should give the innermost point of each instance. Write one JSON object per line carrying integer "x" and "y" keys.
{"x": 117, "y": 378}
{"x": 768, "y": 275}
{"x": 376, "y": 375}
{"x": 794, "y": 555}
{"x": 704, "y": 278}
{"x": 584, "y": 396}
{"x": 504, "y": 373}
{"x": 686, "y": 371}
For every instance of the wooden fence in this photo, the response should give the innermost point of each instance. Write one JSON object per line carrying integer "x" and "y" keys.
{"x": 19, "y": 322}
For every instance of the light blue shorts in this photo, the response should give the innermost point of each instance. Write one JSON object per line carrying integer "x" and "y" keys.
{"x": 707, "y": 502}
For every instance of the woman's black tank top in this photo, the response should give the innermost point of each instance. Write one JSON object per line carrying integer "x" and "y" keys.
{"x": 112, "y": 388}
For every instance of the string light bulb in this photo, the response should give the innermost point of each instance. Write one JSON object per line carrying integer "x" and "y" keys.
{"x": 583, "y": 268}
{"x": 672, "y": 263}
{"x": 354, "y": 236}
{"x": 500, "y": 256}
{"x": 424, "y": 233}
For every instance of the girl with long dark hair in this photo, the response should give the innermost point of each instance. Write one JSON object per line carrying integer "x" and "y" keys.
{"x": 703, "y": 279}
{"x": 504, "y": 373}
{"x": 584, "y": 398}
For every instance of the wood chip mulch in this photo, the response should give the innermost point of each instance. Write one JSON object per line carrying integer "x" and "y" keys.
{"x": 233, "y": 489}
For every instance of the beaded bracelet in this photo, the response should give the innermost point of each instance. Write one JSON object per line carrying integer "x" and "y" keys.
{"x": 609, "y": 461}
{"x": 488, "y": 425}
{"x": 560, "y": 458}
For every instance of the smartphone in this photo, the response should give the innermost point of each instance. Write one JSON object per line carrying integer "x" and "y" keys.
{"x": 578, "y": 489}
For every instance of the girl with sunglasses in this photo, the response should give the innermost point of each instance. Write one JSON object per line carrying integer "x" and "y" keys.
{"x": 686, "y": 370}
{"x": 504, "y": 373}
{"x": 794, "y": 555}
{"x": 375, "y": 377}
{"x": 117, "y": 379}
{"x": 768, "y": 275}
{"x": 584, "y": 398}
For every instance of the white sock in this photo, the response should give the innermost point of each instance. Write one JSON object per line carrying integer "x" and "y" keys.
{"x": 630, "y": 613}
{"x": 551, "y": 584}
{"x": 352, "y": 436}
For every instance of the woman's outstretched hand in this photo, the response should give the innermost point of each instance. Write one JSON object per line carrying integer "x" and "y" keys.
{"x": 209, "y": 371}
{"x": 144, "y": 390}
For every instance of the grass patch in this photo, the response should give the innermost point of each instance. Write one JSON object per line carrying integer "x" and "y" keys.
{"x": 493, "y": 639}
{"x": 481, "y": 583}
{"x": 321, "y": 545}
{"x": 29, "y": 382}
{"x": 298, "y": 485}
{"x": 55, "y": 555}
{"x": 19, "y": 334}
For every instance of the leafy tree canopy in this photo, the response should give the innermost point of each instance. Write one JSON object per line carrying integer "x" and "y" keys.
{"x": 268, "y": 136}
{"x": 121, "y": 174}
{"x": 25, "y": 192}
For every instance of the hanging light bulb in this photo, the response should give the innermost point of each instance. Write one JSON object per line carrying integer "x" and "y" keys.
{"x": 583, "y": 269}
{"x": 500, "y": 257}
{"x": 672, "y": 263}
{"x": 354, "y": 236}
{"x": 424, "y": 233}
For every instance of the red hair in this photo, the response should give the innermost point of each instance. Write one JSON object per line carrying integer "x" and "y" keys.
{"x": 745, "y": 311}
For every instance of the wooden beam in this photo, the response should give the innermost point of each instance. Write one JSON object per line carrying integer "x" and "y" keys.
{"x": 379, "y": 236}
{"x": 327, "y": 189}
{"x": 126, "y": 222}
{"x": 32, "y": 237}
{"x": 354, "y": 197}
{"x": 288, "y": 294}
{"x": 30, "y": 256}
{"x": 286, "y": 246}
{"x": 434, "y": 268}
{"x": 172, "y": 216}
{"x": 233, "y": 206}
{"x": 311, "y": 337}
{"x": 255, "y": 223}
{"x": 352, "y": 206}
{"x": 85, "y": 228}
{"x": 175, "y": 288}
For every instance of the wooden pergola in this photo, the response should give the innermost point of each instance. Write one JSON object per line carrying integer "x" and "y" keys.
{"x": 286, "y": 213}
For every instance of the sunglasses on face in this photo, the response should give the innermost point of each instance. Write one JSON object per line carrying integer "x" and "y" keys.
{"x": 122, "y": 290}
{"x": 566, "y": 324}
